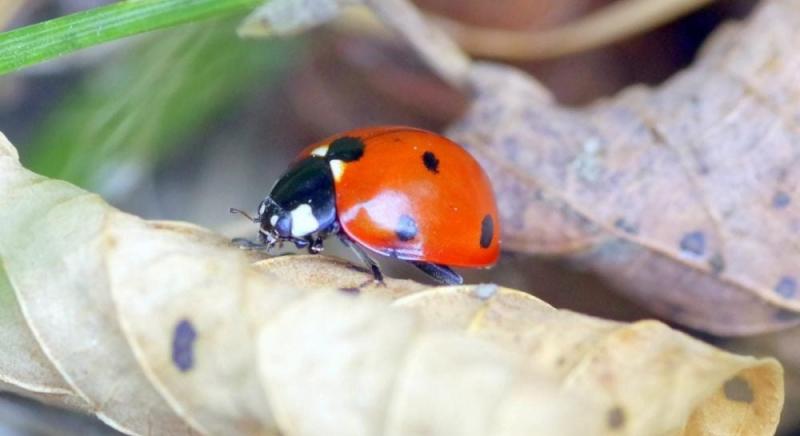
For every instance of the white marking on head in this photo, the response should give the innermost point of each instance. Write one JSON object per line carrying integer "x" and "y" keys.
{"x": 303, "y": 221}
{"x": 320, "y": 151}
{"x": 262, "y": 208}
{"x": 337, "y": 168}
{"x": 273, "y": 219}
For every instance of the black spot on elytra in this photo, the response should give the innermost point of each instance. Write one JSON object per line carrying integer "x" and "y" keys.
{"x": 781, "y": 200}
{"x": 739, "y": 390}
{"x": 487, "y": 231}
{"x": 431, "y": 162}
{"x": 183, "y": 345}
{"x": 694, "y": 243}
{"x": 786, "y": 287}
{"x": 616, "y": 417}
{"x": 626, "y": 226}
{"x": 346, "y": 148}
{"x": 406, "y": 228}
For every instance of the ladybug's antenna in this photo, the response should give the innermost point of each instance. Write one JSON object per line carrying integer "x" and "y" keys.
{"x": 241, "y": 212}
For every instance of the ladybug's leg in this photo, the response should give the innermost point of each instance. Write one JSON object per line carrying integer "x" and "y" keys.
{"x": 364, "y": 257}
{"x": 315, "y": 241}
{"x": 301, "y": 243}
{"x": 316, "y": 245}
{"x": 441, "y": 273}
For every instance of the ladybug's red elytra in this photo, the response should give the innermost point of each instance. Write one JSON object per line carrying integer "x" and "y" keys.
{"x": 397, "y": 191}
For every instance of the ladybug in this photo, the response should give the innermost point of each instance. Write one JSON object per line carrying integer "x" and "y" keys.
{"x": 397, "y": 191}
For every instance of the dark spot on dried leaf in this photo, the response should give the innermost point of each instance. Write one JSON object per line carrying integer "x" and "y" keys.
{"x": 781, "y": 200}
{"x": 786, "y": 287}
{"x": 786, "y": 315}
{"x": 406, "y": 228}
{"x": 350, "y": 291}
{"x": 183, "y": 345}
{"x": 616, "y": 417}
{"x": 738, "y": 389}
{"x": 693, "y": 243}
{"x": 431, "y": 162}
{"x": 717, "y": 264}
{"x": 617, "y": 251}
{"x": 626, "y": 226}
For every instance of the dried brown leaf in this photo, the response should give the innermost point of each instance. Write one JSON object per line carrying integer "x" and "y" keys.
{"x": 236, "y": 350}
{"x": 23, "y": 366}
{"x": 783, "y": 344}
{"x": 191, "y": 307}
{"x": 683, "y": 196}
{"x": 591, "y": 355}
{"x": 49, "y": 246}
{"x": 680, "y": 196}
{"x": 685, "y": 387}
{"x": 617, "y": 21}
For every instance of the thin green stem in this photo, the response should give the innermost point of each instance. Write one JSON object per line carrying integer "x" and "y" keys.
{"x": 40, "y": 42}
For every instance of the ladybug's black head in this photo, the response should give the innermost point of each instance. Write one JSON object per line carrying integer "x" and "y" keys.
{"x": 276, "y": 223}
{"x": 300, "y": 205}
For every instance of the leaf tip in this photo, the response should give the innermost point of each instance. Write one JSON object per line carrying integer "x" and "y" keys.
{"x": 6, "y": 148}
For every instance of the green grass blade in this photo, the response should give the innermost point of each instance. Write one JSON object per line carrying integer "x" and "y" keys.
{"x": 39, "y": 42}
{"x": 147, "y": 100}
